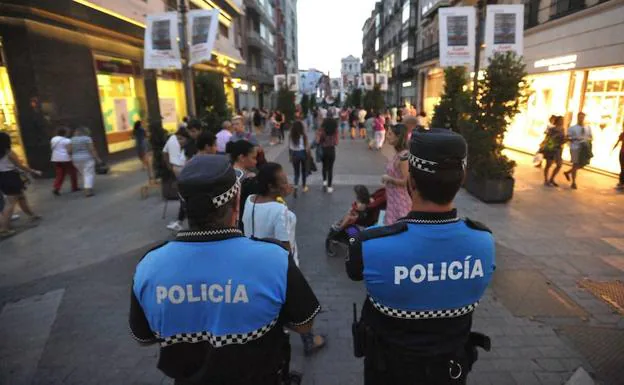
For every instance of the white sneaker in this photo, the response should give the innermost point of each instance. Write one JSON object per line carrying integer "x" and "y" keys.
{"x": 324, "y": 183}
{"x": 15, "y": 217}
{"x": 330, "y": 190}
{"x": 175, "y": 226}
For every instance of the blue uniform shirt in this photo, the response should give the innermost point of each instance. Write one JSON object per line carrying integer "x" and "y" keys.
{"x": 426, "y": 267}
{"x": 222, "y": 293}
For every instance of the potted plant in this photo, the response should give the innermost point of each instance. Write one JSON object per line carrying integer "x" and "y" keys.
{"x": 501, "y": 92}
{"x": 455, "y": 101}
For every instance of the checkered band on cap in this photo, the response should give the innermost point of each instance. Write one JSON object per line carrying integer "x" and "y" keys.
{"x": 218, "y": 341}
{"x": 227, "y": 196}
{"x": 422, "y": 164}
{"x": 423, "y": 314}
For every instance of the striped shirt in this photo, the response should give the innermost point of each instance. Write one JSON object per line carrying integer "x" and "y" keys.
{"x": 80, "y": 148}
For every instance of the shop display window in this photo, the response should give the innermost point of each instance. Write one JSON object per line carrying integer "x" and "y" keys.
{"x": 8, "y": 113}
{"x": 122, "y": 99}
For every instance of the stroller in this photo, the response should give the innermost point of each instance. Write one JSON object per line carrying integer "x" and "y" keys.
{"x": 335, "y": 238}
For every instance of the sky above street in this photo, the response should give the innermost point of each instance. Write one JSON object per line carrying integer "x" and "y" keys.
{"x": 330, "y": 30}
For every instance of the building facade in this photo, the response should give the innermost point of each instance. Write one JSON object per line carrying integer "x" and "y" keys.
{"x": 389, "y": 45}
{"x": 350, "y": 71}
{"x": 254, "y": 80}
{"x": 269, "y": 47}
{"x": 80, "y": 63}
{"x": 574, "y": 52}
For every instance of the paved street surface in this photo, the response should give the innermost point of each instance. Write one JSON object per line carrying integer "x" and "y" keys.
{"x": 65, "y": 284}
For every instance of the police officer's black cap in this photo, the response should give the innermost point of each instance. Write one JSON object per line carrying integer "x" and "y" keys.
{"x": 437, "y": 150}
{"x": 209, "y": 177}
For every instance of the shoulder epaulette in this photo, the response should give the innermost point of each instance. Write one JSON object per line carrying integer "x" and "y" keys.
{"x": 157, "y": 246}
{"x": 477, "y": 225}
{"x": 385, "y": 231}
{"x": 270, "y": 240}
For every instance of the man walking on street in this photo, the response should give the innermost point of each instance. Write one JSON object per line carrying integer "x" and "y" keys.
{"x": 224, "y": 136}
{"x": 580, "y": 137}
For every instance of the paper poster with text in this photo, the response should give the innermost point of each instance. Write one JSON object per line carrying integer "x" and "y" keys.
{"x": 203, "y": 28}
{"x": 457, "y": 36}
{"x": 504, "y": 29}
{"x": 279, "y": 82}
{"x": 382, "y": 81}
{"x": 161, "y": 41}
{"x": 293, "y": 82}
{"x": 369, "y": 81}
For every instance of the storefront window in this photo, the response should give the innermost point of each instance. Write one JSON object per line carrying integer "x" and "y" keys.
{"x": 122, "y": 99}
{"x": 171, "y": 99}
{"x": 548, "y": 95}
{"x": 604, "y": 107}
{"x": 8, "y": 114}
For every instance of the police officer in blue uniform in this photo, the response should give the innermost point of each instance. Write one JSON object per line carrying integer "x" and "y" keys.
{"x": 215, "y": 301}
{"x": 424, "y": 276}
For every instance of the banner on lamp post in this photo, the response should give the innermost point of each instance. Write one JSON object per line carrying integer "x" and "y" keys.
{"x": 293, "y": 82}
{"x": 161, "y": 41}
{"x": 369, "y": 81}
{"x": 382, "y": 81}
{"x": 202, "y": 33}
{"x": 279, "y": 82}
{"x": 457, "y": 36}
{"x": 504, "y": 29}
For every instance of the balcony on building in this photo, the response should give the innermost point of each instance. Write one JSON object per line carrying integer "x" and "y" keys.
{"x": 429, "y": 7}
{"x": 260, "y": 9}
{"x": 428, "y": 53}
{"x": 561, "y": 8}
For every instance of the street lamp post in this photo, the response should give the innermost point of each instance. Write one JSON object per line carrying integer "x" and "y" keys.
{"x": 187, "y": 71}
{"x": 478, "y": 43}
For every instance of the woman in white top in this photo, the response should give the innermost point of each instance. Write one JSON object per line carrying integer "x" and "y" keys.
{"x": 84, "y": 157}
{"x": 11, "y": 185}
{"x": 62, "y": 161}
{"x": 267, "y": 217}
{"x": 299, "y": 149}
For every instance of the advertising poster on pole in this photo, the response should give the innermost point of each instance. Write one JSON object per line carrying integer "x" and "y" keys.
{"x": 369, "y": 81}
{"x": 309, "y": 80}
{"x": 279, "y": 82}
{"x": 202, "y": 31}
{"x": 382, "y": 80}
{"x": 293, "y": 82}
{"x": 457, "y": 36}
{"x": 161, "y": 41}
{"x": 504, "y": 29}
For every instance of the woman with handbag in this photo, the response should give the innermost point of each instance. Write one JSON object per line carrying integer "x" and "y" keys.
{"x": 12, "y": 185}
{"x": 84, "y": 157}
{"x": 299, "y": 153}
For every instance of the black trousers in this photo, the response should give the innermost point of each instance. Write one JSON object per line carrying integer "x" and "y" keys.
{"x": 396, "y": 371}
{"x": 182, "y": 212}
{"x": 299, "y": 164}
{"x": 329, "y": 157}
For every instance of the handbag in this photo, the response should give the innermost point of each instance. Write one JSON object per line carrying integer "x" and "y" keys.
{"x": 101, "y": 168}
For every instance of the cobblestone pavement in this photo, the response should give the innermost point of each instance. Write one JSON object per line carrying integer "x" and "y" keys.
{"x": 64, "y": 285}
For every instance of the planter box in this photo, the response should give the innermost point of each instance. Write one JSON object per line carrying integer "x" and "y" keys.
{"x": 490, "y": 190}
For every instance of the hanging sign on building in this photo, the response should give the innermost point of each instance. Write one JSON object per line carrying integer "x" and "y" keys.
{"x": 369, "y": 81}
{"x": 309, "y": 80}
{"x": 279, "y": 82}
{"x": 203, "y": 27}
{"x": 293, "y": 82}
{"x": 457, "y": 36}
{"x": 382, "y": 81}
{"x": 161, "y": 41}
{"x": 504, "y": 29}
